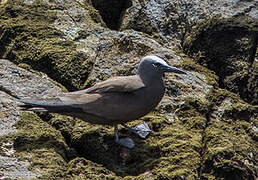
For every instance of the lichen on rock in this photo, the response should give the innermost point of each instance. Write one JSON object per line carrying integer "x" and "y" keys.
{"x": 200, "y": 130}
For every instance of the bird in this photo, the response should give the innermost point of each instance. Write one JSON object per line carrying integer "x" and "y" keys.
{"x": 117, "y": 100}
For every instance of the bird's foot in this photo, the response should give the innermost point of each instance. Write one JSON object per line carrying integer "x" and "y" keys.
{"x": 126, "y": 142}
{"x": 142, "y": 129}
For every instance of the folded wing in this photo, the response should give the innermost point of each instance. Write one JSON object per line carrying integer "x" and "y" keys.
{"x": 110, "y": 99}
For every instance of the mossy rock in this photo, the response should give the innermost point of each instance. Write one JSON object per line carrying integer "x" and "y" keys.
{"x": 228, "y": 47}
{"x": 41, "y": 144}
{"x": 28, "y": 36}
{"x": 229, "y": 140}
{"x": 211, "y": 137}
{"x": 80, "y": 168}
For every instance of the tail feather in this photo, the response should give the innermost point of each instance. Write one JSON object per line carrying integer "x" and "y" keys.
{"x": 43, "y": 102}
{"x": 48, "y": 105}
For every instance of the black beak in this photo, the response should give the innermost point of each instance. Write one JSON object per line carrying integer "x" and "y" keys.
{"x": 172, "y": 69}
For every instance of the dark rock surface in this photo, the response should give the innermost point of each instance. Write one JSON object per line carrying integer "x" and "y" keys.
{"x": 204, "y": 128}
{"x": 228, "y": 47}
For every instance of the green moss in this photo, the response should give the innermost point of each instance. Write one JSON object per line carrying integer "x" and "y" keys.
{"x": 44, "y": 146}
{"x": 190, "y": 65}
{"x": 228, "y": 148}
{"x": 174, "y": 149}
{"x": 95, "y": 16}
{"x": 229, "y": 141}
{"x": 28, "y": 36}
{"x": 197, "y": 41}
{"x": 180, "y": 146}
{"x": 80, "y": 168}
{"x": 170, "y": 151}
{"x": 224, "y": 142}
{"x": 215, "y": 44}
{"x": 238, "y": 107}
{"x": 64, "y": 124}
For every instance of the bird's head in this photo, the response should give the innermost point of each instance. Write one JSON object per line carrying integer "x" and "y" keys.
{"x": 155, "y": 66}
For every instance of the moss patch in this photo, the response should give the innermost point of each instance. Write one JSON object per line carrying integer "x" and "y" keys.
{"x": 190, "y": 64}
{"x": 81, "y": 168}
{"x": 28, "y": 36}
{"x": 170, "y": 151}
{"x": 210, "y": 139}
{"x": 229, "y": 143}
{"x": 41, "y": 144}
{"x": 228, "y": 47}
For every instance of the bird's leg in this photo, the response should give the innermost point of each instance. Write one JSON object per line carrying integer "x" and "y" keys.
{"x": 126, "y": 142}
{"x": 116, "y": 133}
{"x": 142, "y": 129}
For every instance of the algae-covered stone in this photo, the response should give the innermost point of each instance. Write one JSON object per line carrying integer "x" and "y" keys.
{"x": 230, "y": 146}
{"x": 11, "y": 165}
{"x": 25, "y": 135}
{"x": 28, "y": 35}
{"x": 228, "y": 47}
{"x": 199, "y": 130}
{"x": 80, "y": 168}
{"x": 43, "y": 145}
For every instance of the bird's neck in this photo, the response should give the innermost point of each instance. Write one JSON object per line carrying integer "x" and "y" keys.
{"x": 151, "y": 80}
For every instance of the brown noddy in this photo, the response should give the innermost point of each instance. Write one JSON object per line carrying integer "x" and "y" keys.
{"x": 114, "y": 101}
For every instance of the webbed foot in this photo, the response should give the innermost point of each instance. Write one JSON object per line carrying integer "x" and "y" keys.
{"x": 142, "y": 129}
{"x": 126, "y": 142}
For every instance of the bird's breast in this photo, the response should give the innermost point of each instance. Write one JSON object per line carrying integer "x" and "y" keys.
{"x": 142, "y": 102}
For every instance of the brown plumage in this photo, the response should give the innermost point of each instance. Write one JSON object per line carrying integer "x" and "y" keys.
{"x": 114, "y": 101}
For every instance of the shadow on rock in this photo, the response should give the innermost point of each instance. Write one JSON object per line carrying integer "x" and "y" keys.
{"x": 102, "y": 149}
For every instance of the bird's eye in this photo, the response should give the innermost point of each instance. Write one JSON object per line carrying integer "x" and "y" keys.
{"x": 157, "y": 64}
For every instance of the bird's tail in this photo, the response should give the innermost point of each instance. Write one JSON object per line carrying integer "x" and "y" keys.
{"x": 47, "y": 105}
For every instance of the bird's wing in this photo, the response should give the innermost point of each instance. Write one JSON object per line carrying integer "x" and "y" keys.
{"x": 115, "y": 84}
{"x": 106, "y": 97}
{"x": 113, "y": 99}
